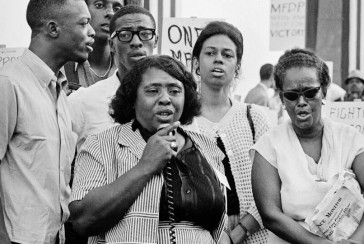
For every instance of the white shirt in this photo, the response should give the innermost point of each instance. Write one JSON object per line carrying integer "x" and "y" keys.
{"x": 90, "y": 108}
{"x": 36, "y": 150}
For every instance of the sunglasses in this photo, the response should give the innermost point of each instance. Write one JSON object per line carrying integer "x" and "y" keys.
{"x": 307, "y": 94}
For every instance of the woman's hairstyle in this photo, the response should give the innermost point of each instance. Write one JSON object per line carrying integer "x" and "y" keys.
{"x": 220, "y": 28}
{"x": 122, "y": 105}
{"x": 297, "y": 58}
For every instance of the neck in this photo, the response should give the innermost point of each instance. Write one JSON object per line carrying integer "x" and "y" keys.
{"x": 48, "y": 54}
{"x": 311, "y": 134}
{"x": 215, "y": 103}
{"x": 100, "y": 57}
{"x": 266, "y": 83}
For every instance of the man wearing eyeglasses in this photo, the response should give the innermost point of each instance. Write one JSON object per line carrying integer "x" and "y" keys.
{"x": 133, "y": 37}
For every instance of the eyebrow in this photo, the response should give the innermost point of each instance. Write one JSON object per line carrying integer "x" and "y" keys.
{"x": 170, "y": 84}
{"x": 224, "y": 49}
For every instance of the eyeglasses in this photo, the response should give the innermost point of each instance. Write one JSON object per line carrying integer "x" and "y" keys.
{"x": 127, "y": 35}
{"x": 308, "y": 94}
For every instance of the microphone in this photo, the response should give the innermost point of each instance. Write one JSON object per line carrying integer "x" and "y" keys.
{"x": 173, "y": 145}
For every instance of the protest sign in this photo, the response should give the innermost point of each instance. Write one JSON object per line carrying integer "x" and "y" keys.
{"x": 179, "y": 36}
{"x": 8, "y": 55}
{"x": 287, "y": 24}
{"x": 346, "y": 112}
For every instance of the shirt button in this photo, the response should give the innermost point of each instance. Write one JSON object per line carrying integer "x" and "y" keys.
{"x": 230, "y": 152}
{"x": 215, "y": 127}
{"x": 223, "y": 135}
{"x": 188, "y": 191}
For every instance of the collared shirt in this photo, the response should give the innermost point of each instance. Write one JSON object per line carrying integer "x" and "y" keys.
{"x": 36, "y": 151}
{"x": 90, "y": 108}
{"x": 110, "y": 154}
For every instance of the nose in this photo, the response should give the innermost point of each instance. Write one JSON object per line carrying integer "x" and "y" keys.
{"x": 91, "y": 31}
{"x": 109, "y": 12}
{"x": 218, "y": 58}
{"x": 301, "y": 100}
{"x": 136, "y": 42}
{"x": 164, "y": 98}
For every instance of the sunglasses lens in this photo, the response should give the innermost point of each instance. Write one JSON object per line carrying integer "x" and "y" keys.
{"x": 311, "y": 93}
{"x": 292, "y": 96}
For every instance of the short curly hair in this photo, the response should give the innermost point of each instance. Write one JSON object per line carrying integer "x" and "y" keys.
{"x": 220, "y": 28}
{"x": 129, "y": 9}
{"x": 122, "y": 105}
{"x": 296, "y": 58}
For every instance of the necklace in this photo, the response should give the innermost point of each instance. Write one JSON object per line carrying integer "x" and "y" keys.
{"x": 107, "y": 71}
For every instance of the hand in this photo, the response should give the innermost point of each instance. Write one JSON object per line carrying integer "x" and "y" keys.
{"x": 158, "y": 150}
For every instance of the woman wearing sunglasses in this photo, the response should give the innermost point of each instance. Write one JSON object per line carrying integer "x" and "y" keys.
{"x": 294, "y": 163}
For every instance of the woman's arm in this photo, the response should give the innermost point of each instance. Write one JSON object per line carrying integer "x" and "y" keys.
{"x": 266, "y": 190}
{"x": 103, "y": 207}
{"x": 358, "y": 168}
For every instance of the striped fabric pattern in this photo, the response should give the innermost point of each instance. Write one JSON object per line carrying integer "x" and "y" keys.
{"x": 108, "y": 155}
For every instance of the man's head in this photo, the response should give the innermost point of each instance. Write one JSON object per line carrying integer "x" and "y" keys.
{"x": 101, "y": 12}
{"x": 266, "y": 75}
{"x": 61, "y": 28}
{"x": 355, "y": 83}
{"x": 133, "y": 36}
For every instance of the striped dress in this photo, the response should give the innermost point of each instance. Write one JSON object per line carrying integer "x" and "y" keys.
{"x": 236, "y": 135}
{"x": 110, "y": 154}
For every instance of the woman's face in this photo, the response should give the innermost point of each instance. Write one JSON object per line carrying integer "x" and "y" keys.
{"x": 305, "y": 110}
{"x": 160, "y": 99}
{"x": 218, "y": 61}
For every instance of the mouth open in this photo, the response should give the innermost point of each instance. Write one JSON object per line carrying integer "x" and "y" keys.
{"x": 217, "y": 72}
{"x": 105, "y": 27}
{"x": 302, "y": 115}
{"x": 165, "y": 116}
{"x": 89, "y": 46}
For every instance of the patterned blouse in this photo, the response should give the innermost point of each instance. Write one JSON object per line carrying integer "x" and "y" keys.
{"x": 236, "y": 135}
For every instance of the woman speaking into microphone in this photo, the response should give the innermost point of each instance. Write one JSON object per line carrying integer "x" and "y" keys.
{"x": 145, "y": 182}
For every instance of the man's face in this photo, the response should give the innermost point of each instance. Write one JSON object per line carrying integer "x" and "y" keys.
{"x": 127, "y": 53}
{"x": 101, "y": 12}
{"x": 355, "y": 85}
{"x": 75, "y": 32}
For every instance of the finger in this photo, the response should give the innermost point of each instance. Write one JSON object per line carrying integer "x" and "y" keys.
{"x": 165, "y": 129}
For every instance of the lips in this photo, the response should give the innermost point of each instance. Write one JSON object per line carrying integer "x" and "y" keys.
{"x": 302, "y": 114}
{"x": 136, "y": 54}
{"x": 217, "y": 72}
{"x": 105, "y": 27}
{"x": 89, "y": 45}
{"x": 164, "y": 115}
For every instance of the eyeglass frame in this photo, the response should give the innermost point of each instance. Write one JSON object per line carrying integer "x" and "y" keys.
{"x": 137, "y": 32}
{"x": 301, "y": 93}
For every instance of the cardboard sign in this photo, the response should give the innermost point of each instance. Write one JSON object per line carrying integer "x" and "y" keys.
{"x": 346, "y": 112}
{"x": 179, "y": 36}
{"x": 287, "y": 24}
{"x": 8, "y": 55}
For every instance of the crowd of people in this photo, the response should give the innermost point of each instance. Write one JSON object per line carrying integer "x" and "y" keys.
{"x": 103, "y": 142}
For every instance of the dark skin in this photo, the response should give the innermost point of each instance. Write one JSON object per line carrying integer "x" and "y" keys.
{"x": 308, "y": 128}
{"x": 113, "y": 200}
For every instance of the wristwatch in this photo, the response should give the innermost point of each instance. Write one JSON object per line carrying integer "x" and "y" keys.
{"x": 247, "y": 233}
